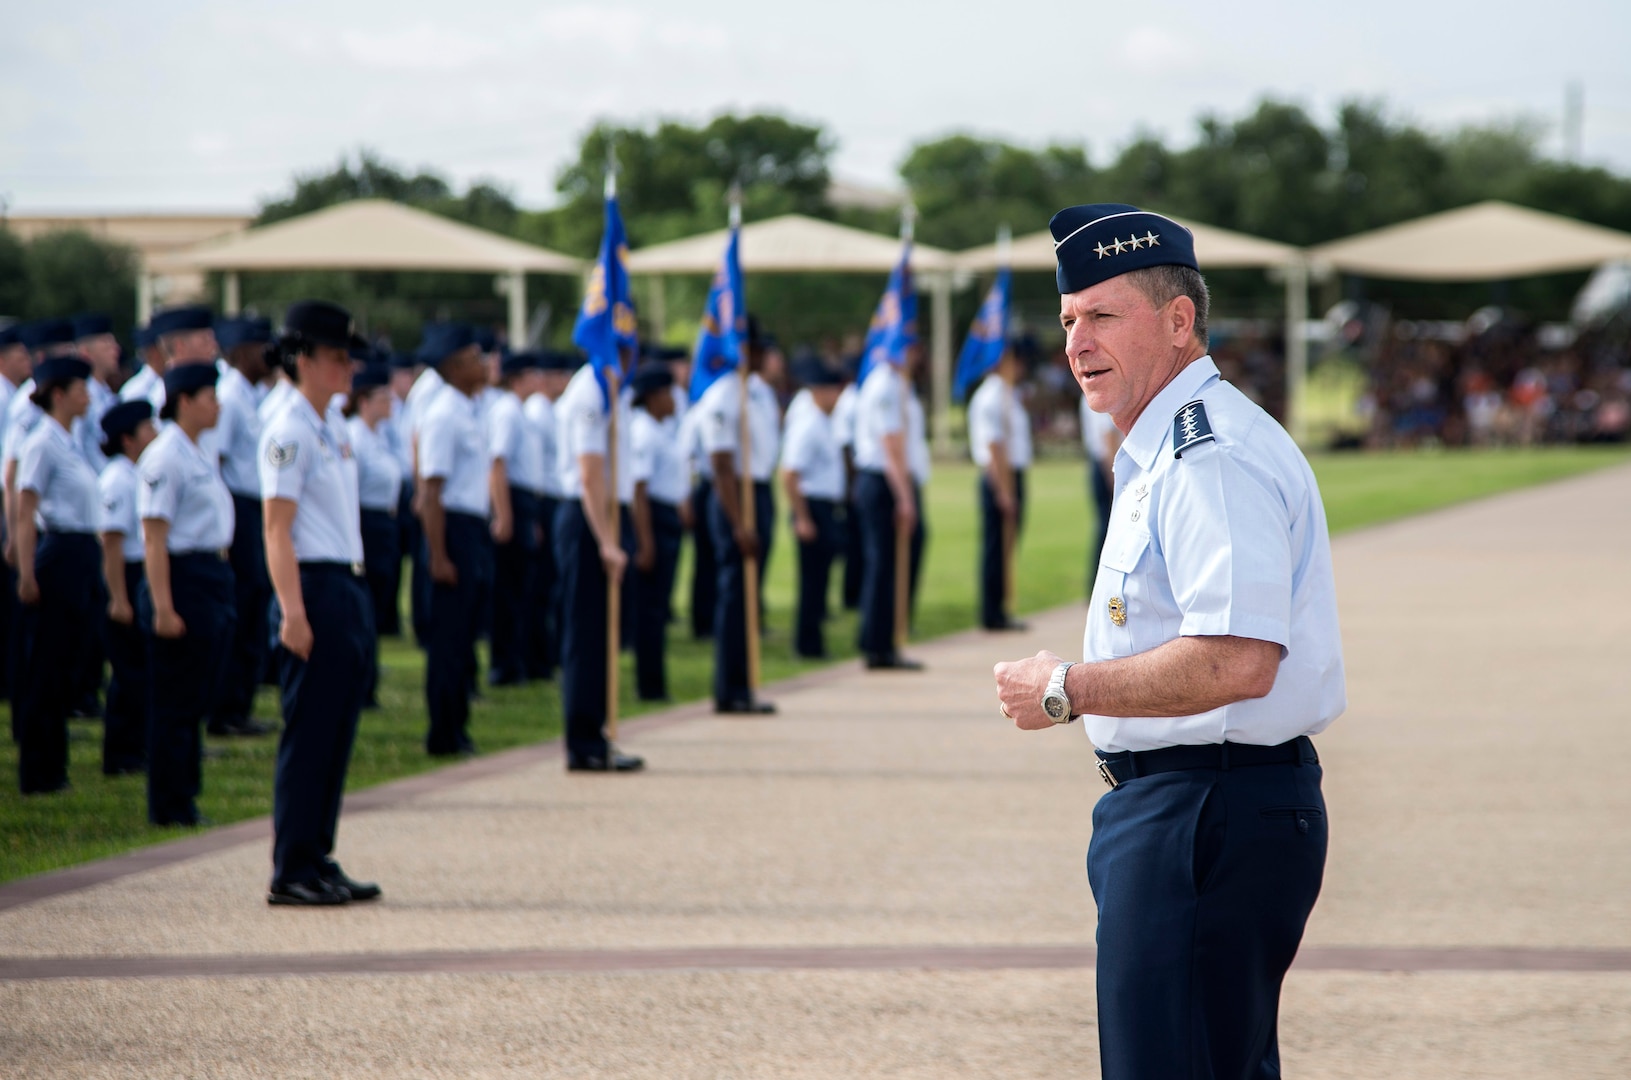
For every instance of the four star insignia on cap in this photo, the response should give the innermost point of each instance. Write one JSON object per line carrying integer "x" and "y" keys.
{"x": 1118, "y": 246}
{"x": 1190, "y": 427}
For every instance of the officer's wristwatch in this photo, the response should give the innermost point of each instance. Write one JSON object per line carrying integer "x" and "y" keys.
{"x": 1055, "y": 702}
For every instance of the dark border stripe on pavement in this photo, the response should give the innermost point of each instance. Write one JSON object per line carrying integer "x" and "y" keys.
{"x": 766, "y": 958}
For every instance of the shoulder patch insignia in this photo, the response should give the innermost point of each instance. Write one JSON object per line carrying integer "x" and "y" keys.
{"x": 154, "y": 480}
{"x": 281, "y": 455}
{"x": 1190, "y": 427}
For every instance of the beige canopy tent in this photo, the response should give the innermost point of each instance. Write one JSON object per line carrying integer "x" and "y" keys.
{"x": 1488, "y": 241}
{"x": 369, "y": 234}
{"x": 1215, "y": 249}
{"x": 794, "y": 243}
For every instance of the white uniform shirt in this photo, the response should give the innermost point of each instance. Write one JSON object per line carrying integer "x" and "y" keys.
{"x": 396, "y": 436}
{"x": 181, "y": 484}
{"x": 986, "y": 426}
{"x": 22, "y": 417}
{"x": 311, "y": 462}
{"x": 423, "y": 391}
{"x": 278, "y": 398}
{"x": 88, "y": 428}
{"x": 843, "y": 416}
{"x": 811, "y": 450}
{"x": 657, "y": 459}
{"x": 878, "y": 412}
{"x": 379, "y": 474}
{"x": 51, "y": 466}
{"x": 146, "y": 385}
{"x": 539, "y": 411}
{"x": 1096, "y": 429}
{"x": 238, "y": 433}
{"x": 582, "y": 427}
{"x": 517, "y": 441}
{"x": 453, "y": 447}
{"x": 1228, "y": 539}
{"x": 8, "y": 393}
{"x": 719, "y": 423}
{"x": 117, "y": 488}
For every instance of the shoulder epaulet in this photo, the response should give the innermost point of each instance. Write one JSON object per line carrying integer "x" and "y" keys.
{"x": 1190, "y": 427}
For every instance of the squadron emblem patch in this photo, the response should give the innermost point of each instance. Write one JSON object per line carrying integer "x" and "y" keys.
{"x": 281, "y": 455}
{"x": 1190, "y": 427}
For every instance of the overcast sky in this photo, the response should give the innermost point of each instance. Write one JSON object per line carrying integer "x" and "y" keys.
{"x": 176, "y": 104}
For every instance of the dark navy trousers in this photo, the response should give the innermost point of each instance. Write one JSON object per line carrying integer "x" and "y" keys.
{"x": 322, "y": 697}
{"x": 55, "y": 634}
{"x": 455, "y": 622}
{"x": 730, "y": 611}
{"x": 382, "y": 573}
{"x": 542, "y": 609}
{"x": 704, "y": 568}
{"x": 653, "y": 603}
{"x": 124, "y": 711}
{"x": 815, "y": 571}
{"x": 854, "y": 554}
{"x": 1204, "y": 879}
{"x": 992, "y": 613}
{"x": 515, "y": 563}
{"x": 389, "y": 621}
{"x": 583, "y": 628}
{"x": 252, "y": 592}
{"x": 185, "y": 676}
{"x": 876, "y": 504}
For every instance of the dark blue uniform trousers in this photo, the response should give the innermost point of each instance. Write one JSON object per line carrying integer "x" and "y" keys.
{"x": 542, "y": 610}
{"x": 456, "y": 613}
{"x": 185, "y": 676}
{"x": 730, "y": 612}
{"x": 124, "y": 712}
{"x": 388, "y": 622}
{"x": 54, "y": 635}
{"x": 854, "y": 554}
{"x": 515, "y": 563}
{"x": 653, "y": 603}
{"x": 992, "y": 614}
{"x": 876, "y": 504}
{"x": 1204, "y": 879}
{"x": 704, "y": 569}
{"x": 382, "y": 572}
{"x": 583, "y": 628}
{"x": 252, "y": 592}
{"x": 815, "y": 571}
{"x": 322, "y": 696}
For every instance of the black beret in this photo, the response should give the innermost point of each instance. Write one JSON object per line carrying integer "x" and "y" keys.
{"x": 515, "y": 363}
{"x": 90, "y": 324}
{"x": 649, "y": 378}
{"x": 124, "y": 418}
{"x": 560, "y": 360}
{"x": 370, "y": 377}
{"x": 1099, "y": 241}
{"x": 53, "y": 368}
{"x": 242, "y": 330}
{"x": 320, "y": 323}
{"x": 177, "y": 319}
{"x": 442, "y": 339}
{"x": 43, "y": 333}
{"x": 188, "y": 379}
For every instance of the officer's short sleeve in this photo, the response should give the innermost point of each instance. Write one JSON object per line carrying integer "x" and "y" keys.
{"x": 881, "y": 399}
{"x": 586, "y": 428}
{"x": 719, "y": 420}
{"x": 1225, "y": 534}
{"x": 156, "y": 492}
{"x": 984, "y": 418}
{"x": 504, "y": 437}
{"x": 33, "y": 467}
{"x": 438, "y": 445}
{"x": 283, "y": 463}
{"x": 113, "y": 505}
{"x": 798, "y": 445}
{"x": 643, "y": 451}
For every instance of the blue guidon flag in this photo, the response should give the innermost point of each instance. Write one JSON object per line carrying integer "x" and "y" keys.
{"x": 724, "y": 318}
{"x": 606, "y": 324}
{"x": 987, "y": 338}
{"x": 894, "y": 324}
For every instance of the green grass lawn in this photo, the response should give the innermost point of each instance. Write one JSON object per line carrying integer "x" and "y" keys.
{"x": 103, "y": 816}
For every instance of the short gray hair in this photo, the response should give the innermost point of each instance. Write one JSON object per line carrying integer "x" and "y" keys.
{"x": 1163, "y": 284}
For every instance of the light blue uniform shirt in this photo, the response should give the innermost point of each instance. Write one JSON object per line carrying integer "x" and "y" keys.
{"x": 879, "y": 412}
{"x": 181, "y": 484}
{"x": 379, "y": 475}
{"x": 1227, "y": 539}
{"x": 518, "y": 442}
{"x": 811, "y": 450}
{"x": 656, "y": 458}
{"x": 278, "y": 398}
{"x": 51, "y": 466}
{"x": 539, "y": 411}
{"x": 720, "y": 427}
{"x": 238, "y": 433}
{"x": 22, "y": 416}
{"x": 986, "y": 424}
{"x": 146, "y": 385}
{"x": 88, "y": 428}
{"x": 583, "y": 426}
{"x": 311, "y": 462}
{"x": 117, "y": 488}
{"x": 396, "y": 435}
{"x": 453, "y": 447}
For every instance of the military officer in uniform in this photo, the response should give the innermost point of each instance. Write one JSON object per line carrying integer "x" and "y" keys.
{"x": 517, "y": 486}
{"x": 813, "y": 477}
{"x": 999, "y": 439}
{"x": 1211, "y": 655}
{"x": 843, "y": 425}
{"x": 314, "y": 551}
{"x": 93, "y": 338}
{"x": 405, "y": 371}
{"x": 379, "y": 487}
{"x": 543, "y": 635}
{"x": 186, "y": 605}
{"x": 128, "y": 430}
{"x": 662, "y": 482}
{"x": 455, "y": 464}
{"x": 891, "y": 461}
{"x": 14, "y": 372}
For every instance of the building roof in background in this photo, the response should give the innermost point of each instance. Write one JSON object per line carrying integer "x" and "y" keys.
{"x": 788, "y": 244}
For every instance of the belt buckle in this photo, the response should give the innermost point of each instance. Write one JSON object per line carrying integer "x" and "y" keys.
{"x": 1107, "y": 776}
{"x": 356, "y": 569}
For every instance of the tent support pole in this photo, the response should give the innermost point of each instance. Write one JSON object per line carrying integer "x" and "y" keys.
{"x": 659, "y": 306}
{"x": 144, "y": 296}
{"x": 940, "y": 361}
{"x": 1296, "y": 275}
{"x": 232, "y": 301}
{"x": 516, "y": 290}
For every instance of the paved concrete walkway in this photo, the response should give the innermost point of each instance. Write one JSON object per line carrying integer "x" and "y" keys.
{"x": 888, "y": 880}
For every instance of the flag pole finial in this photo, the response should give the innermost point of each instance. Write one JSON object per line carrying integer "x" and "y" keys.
{"x": 1005, "y": 239}
{"x": 908, "y": 220}
{"x": 611, "y": 169}
{"x": 734, "y": 198}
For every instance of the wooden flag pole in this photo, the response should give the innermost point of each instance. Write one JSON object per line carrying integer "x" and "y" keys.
{"x": 614, "y": 585}
{"x": 750, "y": 560}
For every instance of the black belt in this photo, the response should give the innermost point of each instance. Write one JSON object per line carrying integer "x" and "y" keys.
{"x": 1117, "y": 769}
{"x": 352, "y": 569}
{"x": 202, "y": 555}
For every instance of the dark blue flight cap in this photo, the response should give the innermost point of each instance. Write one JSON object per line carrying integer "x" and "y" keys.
{"x": 852, "y": 366}
{"x": 188, "y": 379}
{"x": 44, "y": 333}
{"x": 370, "y": 378}
{"x": 321, "y": 323}
{"x": 146, "y": 337}
{"x": 485, "y": 339}
{"x": 91, "y": 324}
{"x": 124, "y": 418}
{"x": 561, "y": 360}
{"x": 53, "y": 368}
{"x": 650, "y": 377}
{"x": 363, "y": 353}
{"x": 401, "y": 361}
{"x": 515, "y": 363}
{"x": 10, "y": 334}
{"x": 242, "y": 330}
{"x": 442, "y": 339}
{"x": 1099, "y": 241}
{"x": 815, "y": 372}
{"x": 176, "y": 319}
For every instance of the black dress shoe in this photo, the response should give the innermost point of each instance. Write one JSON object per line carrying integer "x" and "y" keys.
{"x": 892, "y": 662}
{"x": 504, "y": 678}
{"x": 238, "y": 725}
{"x": 744, "y": 708}
{"x": 1009, "y": 625}
{"x": 307, "y": 894}
{"x": 618, "y": 763}
{"x": 356, "y": 890}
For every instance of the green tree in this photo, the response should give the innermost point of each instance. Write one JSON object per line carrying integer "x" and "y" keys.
{"x": 13, "y": 275}
{"x": 966, "y": 187}
{"x": 72, "y": 271}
